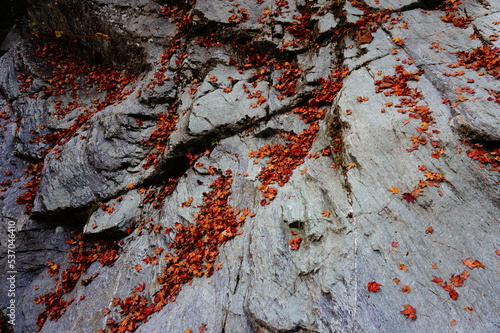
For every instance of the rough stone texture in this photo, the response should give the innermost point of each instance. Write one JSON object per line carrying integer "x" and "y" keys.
{"x": 100, "y": 179}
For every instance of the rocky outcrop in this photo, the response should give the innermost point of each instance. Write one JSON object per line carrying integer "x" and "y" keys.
{"x": 251, "y": 166}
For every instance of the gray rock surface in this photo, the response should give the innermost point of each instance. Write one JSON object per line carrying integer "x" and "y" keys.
{"x": 241, "y": 181}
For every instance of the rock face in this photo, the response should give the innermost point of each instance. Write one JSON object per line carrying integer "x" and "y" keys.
{"x": 251, "y": 166}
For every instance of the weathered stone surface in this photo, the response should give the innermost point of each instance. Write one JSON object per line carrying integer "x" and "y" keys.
{"x": 109, "y": 158}
{"x": 396, "y": 180}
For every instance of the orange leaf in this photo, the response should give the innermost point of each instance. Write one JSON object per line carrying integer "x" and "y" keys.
{"x": 394, "y": 190}
{"x": 398, "y": 40}
{"x": 406, "y": 289}
{"x": 473, "y": 263}
{"x": 295, "y": 243}
{"x": 396, "y": 280}
{"x": 429, "y": 230}
{"x": 453, "y": 322}
{"x": 373, "y": 286}
{"x": 410, "y": 312}
{"x": 468, "y": 308}
{"x": 188, "y": 202}
{"x": 351, "y": 165}
{"x": 326, "y": 213}
{"x": 138, "y": 267}
{"x": 416, "y": 192}
{"x": 403, "y": 267}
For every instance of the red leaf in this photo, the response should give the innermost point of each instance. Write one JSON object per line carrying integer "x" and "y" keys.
{"x": 437, "y": 280}
{"x": 373, "y": 286}
{"x": 295, "y": 243}
{"x": 409, "y": 197}
{"x": 410, "y": 312}
{"x": 453, "y": 294}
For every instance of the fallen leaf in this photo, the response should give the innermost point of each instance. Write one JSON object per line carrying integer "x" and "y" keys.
{"x": 473, "y": 263}
{"x": 417, "y": 192}
{"x": 396, "y": 280}
{"x": 188, "y": 202}
{"x": 351, "y": 165}
{"x": 402, "y": 267}
{"x": 429, "y": 230}
{"x": 326, "y": 213}
{"x": 373, "y": 286}
{"x": 364, "y": 36}
{"x": 453, "y": 294}
{"x": 453, "y": 322}
{"x": 468, "y": 308}
{"x": 398, "y": 40}
{"x": 138, "y": 267}
{"x": 295, "y": 243}
{"x": 410, "y": 312}
{"x": 394, "y": 190}
{"x": 437, "y": 280}
{"x": 406, "y": 289}
{"x": 409, "y": 197}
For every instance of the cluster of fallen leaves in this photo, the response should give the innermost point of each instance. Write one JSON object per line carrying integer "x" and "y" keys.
{"x": 160, "y": 136}
{"x": 82, "y": 255}
{"x": 287, "y": 81}
{"x": 397, "y": 85}
{"x": 484, "y": 155}
{"x": 283, "y": 159}
{"x": 367, "y": 24}
{"x": 453, "y": 14}
{"x": 194, "y": 248}
{"x": 457, "y": 280}
{"x": 482, "y": 57}
{"x": 69, "y": 75}
{"x": 299, "y": 29}
{"x": 193, "y": 253}
{"x": 432, "y": 179}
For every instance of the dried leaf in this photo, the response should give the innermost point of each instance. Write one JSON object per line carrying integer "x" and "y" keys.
{"x": 410, "y": 312}
{"x": 402, "y": 267}
{"x": 473, "y": 263}
{"x": 437, "y": 280}
{"x": 394, "y": 190}
{"x": 373, "y": 286}
{"x": 295, "y": 243}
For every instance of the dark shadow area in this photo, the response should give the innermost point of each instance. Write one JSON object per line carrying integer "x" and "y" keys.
{"x": 11, "y": 13}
